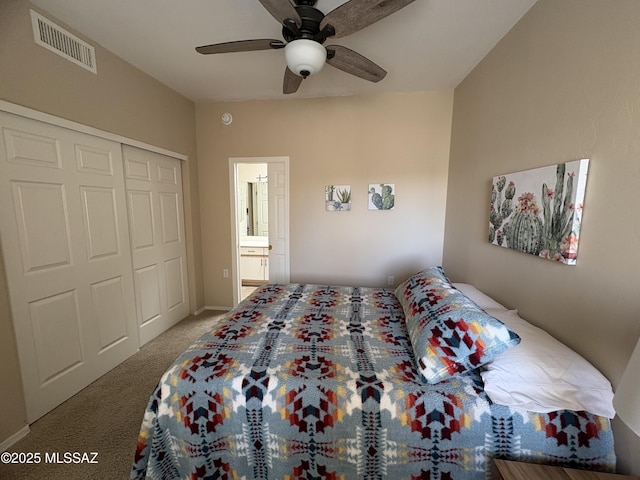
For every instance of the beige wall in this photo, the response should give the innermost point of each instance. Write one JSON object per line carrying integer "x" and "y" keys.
{"x": 119, "y": 99}
{"x": 401, "y": 139}
{"x": 562, "y": 85}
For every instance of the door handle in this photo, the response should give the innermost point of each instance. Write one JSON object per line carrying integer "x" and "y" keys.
{"x": 270, "y": 247}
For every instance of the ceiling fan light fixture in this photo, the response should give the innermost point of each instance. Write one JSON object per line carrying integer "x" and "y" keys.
{"x": 305, "y": 57}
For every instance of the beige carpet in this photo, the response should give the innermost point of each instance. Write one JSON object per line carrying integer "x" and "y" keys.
{"x": 105, "y": 417}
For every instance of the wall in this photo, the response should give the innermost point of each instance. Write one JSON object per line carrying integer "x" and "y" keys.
{"x": 562, "y": 85}
{"x": 119, "y": 99}
{"x": 401, "y": 139}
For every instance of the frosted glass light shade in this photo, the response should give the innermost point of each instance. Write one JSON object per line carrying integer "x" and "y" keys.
{"x": 305, "y": 57}
{"x": 627, "y": 397}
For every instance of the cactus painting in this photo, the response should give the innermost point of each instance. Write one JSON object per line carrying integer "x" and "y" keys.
{"x": 382, "y": 196}
{"x": 539, "y": 211}
{"x": 337, "y": 198}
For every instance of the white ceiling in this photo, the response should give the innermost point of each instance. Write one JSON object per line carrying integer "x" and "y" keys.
{"x": 428, "y": 45}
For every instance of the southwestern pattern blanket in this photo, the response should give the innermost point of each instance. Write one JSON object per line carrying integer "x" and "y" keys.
{"x": 320, "y": 382}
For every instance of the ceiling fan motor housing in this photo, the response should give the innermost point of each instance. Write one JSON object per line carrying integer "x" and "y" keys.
{"x": 304, "y": 52}
{"x": 310, "y": 18}
{"x": 305, "y": 57}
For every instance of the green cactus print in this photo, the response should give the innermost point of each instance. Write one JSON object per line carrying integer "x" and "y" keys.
{"x": 337, "y": 198}
{"x": 559, "y": 217}
{"x": 385, "y": 200}
{"x": 500, "y": 209}
{"x": 549, "y": 227}
{"x": 525, "y": 229}
{"x": 329, "y": 190}
{"x": 344, "y": 195}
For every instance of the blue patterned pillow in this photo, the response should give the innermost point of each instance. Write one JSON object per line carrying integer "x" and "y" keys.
{"x": 449, "y": 333}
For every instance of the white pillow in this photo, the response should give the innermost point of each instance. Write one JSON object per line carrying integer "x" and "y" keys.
{"x": 542, "y": 374}
{"x": 485, "y": 302}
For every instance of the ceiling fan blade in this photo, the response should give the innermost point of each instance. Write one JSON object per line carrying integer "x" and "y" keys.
{"x": 355, "y": 15}
{"x": 352, "y": 62}
{"x": 282, "y": 10}
{"x": 241, "y": 46}
{"x": 291, "y": 82}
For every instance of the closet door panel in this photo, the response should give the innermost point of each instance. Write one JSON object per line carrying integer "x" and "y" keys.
{"x": 93, "y": 160}
{"x": 100, "y": 222}
{"x": 148, "y": 294}
{"x": 31, "y": 149}
{"x": 109, "y": 298}
{"x": 170, "y": 216}
{"x": 175, "y": 283}
{"x": 141, "y": 218}
{"x": 65, "y": 240}
{"x": 55, "y": 322}
{"x": 43, "y": 229}
{"x": 154, "y": 186}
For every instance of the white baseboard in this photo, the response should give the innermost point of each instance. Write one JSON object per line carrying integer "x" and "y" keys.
{"x": 19, "y": 435}
{"x": 214, "y": 307}
{"x": 209, "y": 307}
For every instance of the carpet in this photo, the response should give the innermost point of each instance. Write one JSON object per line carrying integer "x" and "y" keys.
{"x": 104, "y": 418}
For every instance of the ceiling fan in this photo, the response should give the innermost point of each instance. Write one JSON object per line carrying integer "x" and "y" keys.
{"x": 305, "y": 29}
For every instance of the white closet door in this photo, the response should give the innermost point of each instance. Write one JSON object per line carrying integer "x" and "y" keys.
{"x": 156, "y": 219}
{"x": 65, "y": 239}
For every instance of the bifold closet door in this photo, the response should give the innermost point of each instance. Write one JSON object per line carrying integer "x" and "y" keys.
{"x": 156, "y": 220}
{"x": 65, "y": 240}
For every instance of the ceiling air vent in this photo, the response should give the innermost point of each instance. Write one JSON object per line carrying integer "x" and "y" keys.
{"x": 65, "y": 44}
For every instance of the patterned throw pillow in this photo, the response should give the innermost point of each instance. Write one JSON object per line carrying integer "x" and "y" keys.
{"x": 449, "y": 333}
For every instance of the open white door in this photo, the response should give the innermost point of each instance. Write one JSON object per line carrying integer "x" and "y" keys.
{"x": 278, "y": 223}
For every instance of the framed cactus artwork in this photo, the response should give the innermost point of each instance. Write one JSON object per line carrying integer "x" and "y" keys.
{"x": 337, "y": 198}
{"x": 539, "y": 211}
{"x": 382, "y": 196}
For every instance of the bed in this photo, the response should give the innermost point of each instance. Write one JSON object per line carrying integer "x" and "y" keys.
{"x": 326, "y": 382}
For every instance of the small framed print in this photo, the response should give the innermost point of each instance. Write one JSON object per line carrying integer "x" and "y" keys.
{"x": 382, "y": 196}
{"x": 337, "y": 198}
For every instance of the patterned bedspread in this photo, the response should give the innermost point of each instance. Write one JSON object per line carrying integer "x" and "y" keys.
{"x": 319, "y": 382}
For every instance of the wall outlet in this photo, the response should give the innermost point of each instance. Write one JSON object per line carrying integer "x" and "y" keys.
{"x": 391, "y": 280}
{"x": 225, "y": 273}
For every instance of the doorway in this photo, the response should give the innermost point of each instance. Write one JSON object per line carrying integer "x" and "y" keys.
{"x": 253, "y": 226}
{"x": 260, "y": 222}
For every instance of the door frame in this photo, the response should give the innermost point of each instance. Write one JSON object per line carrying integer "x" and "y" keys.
{"x": 236, "y": 281}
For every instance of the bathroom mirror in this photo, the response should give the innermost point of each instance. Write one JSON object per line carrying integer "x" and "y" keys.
{"x": 253, "y": 204}
{"x": 257, "y": 209}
